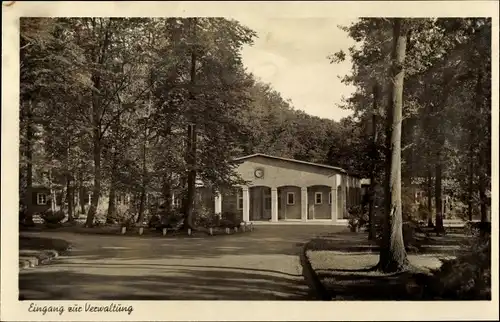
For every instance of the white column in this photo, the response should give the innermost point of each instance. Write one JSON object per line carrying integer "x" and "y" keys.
{"x": 303, "y": 203}
{"x": 338, "y": 200}
{"x": 218, "y": 203}
{"x": 274, "y": 204}
{"x": 246, "y": 204}
{"x": 333, "y": 205}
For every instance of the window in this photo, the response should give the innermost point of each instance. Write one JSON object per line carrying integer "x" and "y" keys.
{"x": 240, "y": 200}
{"x": 41, "y": 199}
{"x": 318, "y": 198}
{"x": 290, "y": 198}
{"x": 330, "y": 198}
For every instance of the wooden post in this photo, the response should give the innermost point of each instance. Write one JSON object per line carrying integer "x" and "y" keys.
{"x": 164, "y": 231}
{"x": 141, "y": 230}
{"x": 124, "y": 230}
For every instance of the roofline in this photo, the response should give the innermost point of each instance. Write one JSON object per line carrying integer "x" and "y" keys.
{"x": 290, "y": 160}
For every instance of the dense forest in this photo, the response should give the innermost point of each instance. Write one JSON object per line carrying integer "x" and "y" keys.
{"x": 423, "y": 93}
{"x": 143, "y": 106}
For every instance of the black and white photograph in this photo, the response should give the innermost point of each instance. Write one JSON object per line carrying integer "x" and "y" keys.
{"x": 258, "y": 157}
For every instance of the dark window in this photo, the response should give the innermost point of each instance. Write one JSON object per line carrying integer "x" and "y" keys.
{"x": 318, "y": 198}
{"x": 41, "y": 199}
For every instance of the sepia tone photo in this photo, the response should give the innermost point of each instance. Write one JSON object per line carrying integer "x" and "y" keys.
{"x": 210, "y": 158}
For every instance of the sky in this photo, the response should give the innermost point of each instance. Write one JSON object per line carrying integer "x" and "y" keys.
{"x": 291, "y": 55}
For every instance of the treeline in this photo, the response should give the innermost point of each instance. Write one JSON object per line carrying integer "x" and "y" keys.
{"x": 423, "y": 101}
{"x": 145, "y": 107}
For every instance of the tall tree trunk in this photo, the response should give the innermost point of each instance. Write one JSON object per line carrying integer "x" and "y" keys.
{"x": 429, "y": 198}
{"x": 167, "y": 193}
{"x": 142, "y": 197}
{"x": 439, "y": 229}
{"x": 189, "y": 203}
{"x": 100, "y": 58}
{"x": 29, "y": 163}
{"x": 483, "y": 167}
{"x": 96, "y": 190}
{"x": 374, "y": 162}
{"x": 470, "y": 185}
{"x": 111, "y": 215}
{"x": 483, "y": 198}
{"x": 69, "y": 196}
{"x": 393, "y": 255}
{"x": 81, "y": 194}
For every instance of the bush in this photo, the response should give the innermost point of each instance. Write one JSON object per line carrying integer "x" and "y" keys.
{"x": 467, "y": 277}
{"x": 230, "y": 220}
{"x": 170, "y": 220}
{"x": 53, "y": 218}
{"x": 126, "y": 219}
{"x": 154, "y": 221}
{"x": 358, "y": 218}
{"x": 477, "y": 228}
{"x": 205, "y": 218}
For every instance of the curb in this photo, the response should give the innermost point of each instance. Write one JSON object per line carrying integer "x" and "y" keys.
{"x": 31, "y": 258}
{"x": 311, "y": 278}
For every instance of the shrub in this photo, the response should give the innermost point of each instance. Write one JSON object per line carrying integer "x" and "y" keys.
{"x": 173, "y": 219}
{"x": 154, "y": 221}
{"x": 467, "y": 277}
{"x": 205, "y": 218}
{"x": 476, "y": 228}
{"x": 230, "y": 220}
{"x": 358, "y": 217}
{"x": 126, "y": 219}
{"x": 53, "y": 218}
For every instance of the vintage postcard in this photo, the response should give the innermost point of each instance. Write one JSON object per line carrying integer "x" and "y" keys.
{"x": 252, "y": 161}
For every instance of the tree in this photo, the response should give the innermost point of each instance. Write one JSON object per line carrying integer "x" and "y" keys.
{"x": 392, "y": 252}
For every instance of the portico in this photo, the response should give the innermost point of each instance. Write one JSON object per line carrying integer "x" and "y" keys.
{"x": 279, "y": 189}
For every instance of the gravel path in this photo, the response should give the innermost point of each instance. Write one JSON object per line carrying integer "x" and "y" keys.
{"x": 260, "y": 265}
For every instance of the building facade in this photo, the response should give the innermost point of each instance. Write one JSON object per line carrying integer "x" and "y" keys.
{"x": 280, "y": 189}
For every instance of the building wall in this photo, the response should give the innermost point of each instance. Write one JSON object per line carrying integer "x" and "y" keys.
{"x": 286, "y": 211}
{"x": 289, "y": 177}
{"x": 260, "y": 203}
{"x": 322, "y": 210}
{"x": 31, "y": 199}
{"x": 279, "y": 173}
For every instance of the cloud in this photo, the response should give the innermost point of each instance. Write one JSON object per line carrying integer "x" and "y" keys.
{"x": 291, "y": 54}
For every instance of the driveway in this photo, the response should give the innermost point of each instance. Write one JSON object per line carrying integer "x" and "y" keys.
{"x": 260, "y": 265}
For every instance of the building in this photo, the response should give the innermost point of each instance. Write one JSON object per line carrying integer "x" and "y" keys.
{"x": 280, "y": 190}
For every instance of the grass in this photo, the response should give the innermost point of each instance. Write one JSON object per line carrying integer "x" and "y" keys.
{"x": 344, "y": 262}
{"x": 42, "y": 243}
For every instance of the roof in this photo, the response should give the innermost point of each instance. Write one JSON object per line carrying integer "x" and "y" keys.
{"x": 289, "y": 160}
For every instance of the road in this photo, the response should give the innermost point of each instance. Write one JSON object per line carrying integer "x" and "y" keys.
{"x": 259, "y": 265}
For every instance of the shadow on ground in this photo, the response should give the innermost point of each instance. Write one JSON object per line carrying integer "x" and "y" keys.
{"x": 344, "y": 264}
{"x": 184, "y": 282}
{"x": 262, "y": 241}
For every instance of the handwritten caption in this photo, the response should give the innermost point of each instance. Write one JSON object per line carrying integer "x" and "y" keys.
{"x": 78, "y": 308}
